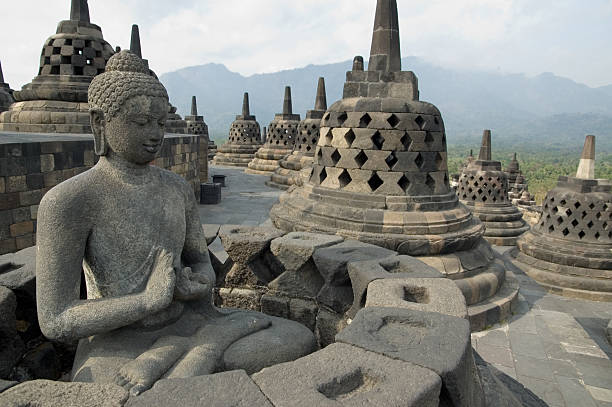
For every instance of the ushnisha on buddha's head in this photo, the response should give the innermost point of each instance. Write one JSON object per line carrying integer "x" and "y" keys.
{"x": 128, "y": 110}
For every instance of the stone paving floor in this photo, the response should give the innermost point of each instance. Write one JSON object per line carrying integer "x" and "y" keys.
{"x": 554, "y": 346}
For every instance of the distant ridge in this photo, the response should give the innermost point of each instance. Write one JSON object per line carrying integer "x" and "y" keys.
{"x": 546, "y": 110}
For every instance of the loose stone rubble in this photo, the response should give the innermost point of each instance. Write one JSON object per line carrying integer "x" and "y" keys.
{"x": 56, "y": 100}
{"x": 282, "y": 133}
{"x": 380, "y": 176}
{"x": 296, "y": 166}
{"x": 483, "y": 187}
{"x": 244, "y": 139}
{"x": 569, "y": 251}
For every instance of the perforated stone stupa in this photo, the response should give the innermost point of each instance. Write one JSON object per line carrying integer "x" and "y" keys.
{"x": 569, "y": 250}
{"x": 197, "y": 126}
{"x": 483, "y": 187}
{"x": 380, "y": 176}
{"x": 282, "y": 133}
{"x": 6, "y": 93}
{"x": 56, "y": 100}
{"x": 244, "y": 139}
{"x": 290, "y": 170}
{"x": 516, "y": 180}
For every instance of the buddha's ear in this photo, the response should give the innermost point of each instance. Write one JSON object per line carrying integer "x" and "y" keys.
{"x": 97, "y": 126}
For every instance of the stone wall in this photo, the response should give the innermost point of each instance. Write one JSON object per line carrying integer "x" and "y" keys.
{"x": 31, "y": 165}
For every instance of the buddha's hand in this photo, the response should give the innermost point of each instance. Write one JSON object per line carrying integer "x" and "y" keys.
{"x": 160, "y": 288}
{"x": 192, "y": 286}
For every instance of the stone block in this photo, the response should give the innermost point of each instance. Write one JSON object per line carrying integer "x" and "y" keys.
{"x": 364, "y": 272}
{"x": 332, "y": 265}
{"x": 439, "y": 295}
{"x": 23, "y": 228}
{"x": 609, "y": 332}
{"x": 274, "y": 305}
{"x": 16, "y": 184}
{"x": 5, "y": 385}
{"x": 302, "y": 282}
{"x": 244, "y": 244}
{"x": 18, "y": 271}
{"x": 295, "y": 249}
{"x": 328, "y": 325}
{"x": 342, "y": 375}
{"x": 45, "y": 393}
{"x": 242, "y": 298}
{"x": 233, "y": 388}
{"x": 304, "y": 312}
{"x": 42, "y": 362}
{"x": 431, "y": 340}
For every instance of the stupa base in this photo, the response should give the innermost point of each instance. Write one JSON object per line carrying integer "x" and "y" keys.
{"x": 565, "y": 280}
{"x": 235, "y": 155}
{"x": 47, "y": 116}
{"x": 266, "y": 161}
{"x": 503, "y": 224}
{"x": 289, "y": 172}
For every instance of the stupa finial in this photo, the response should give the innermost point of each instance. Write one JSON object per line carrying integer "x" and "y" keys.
{"x": 79, "y": 11}
{"x": 321, "y": 101}
{"x": 385, "y": 53}
{"x": 194, "y": 106}
{"x": 514, "y": 158}
{"x": 135, "y": 41}
{"x": 586, "y": 168}
{"x": 1, "y": 74}
{"x": 246, "y": 109}
{"x": 287, "y": 104}
{"x": 485, "y": 149}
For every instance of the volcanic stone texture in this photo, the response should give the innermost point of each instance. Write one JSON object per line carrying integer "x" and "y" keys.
{"x": 569, "y": 250}
{"x": 282, "y": 132}
{"x": 242, "y": 144}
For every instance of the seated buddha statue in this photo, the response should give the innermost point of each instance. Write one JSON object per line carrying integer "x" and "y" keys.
{"x": 133, "y": 231}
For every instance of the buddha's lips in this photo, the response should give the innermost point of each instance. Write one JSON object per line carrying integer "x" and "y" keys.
{"x": 152, "y": 148}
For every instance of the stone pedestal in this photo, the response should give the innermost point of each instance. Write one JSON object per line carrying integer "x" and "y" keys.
{"x": 282, "y": 132}
{"x": 243, "y": 142}
{"x": 56, "y": 100}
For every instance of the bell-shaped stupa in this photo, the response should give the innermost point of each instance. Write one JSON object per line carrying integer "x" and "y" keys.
{"x": 569, "y": 250}
{"x": 282, "y": 132}
{"x": 198, "y": 127}
{"x": 6, "y": 93}
{"x": 244, "y": 139}
{"x": 483, "y": 187}
{"x": 290, "y": 170}
{"x": 56, "y": 100}
{"x": 380, "y": 176}
{"x": 516, "y": 180}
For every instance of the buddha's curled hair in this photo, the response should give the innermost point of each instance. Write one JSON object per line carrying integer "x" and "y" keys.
{"x": 126, "y": 76}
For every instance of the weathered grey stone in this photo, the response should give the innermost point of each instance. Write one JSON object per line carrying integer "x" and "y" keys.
{"x": 12, "y": 345}
{"x": 435, "y": 341}
{"x": 328, "y": 325}
{"x": 135, "y": 231}
{"x": 501, "y": 390}
{"x": 424, "y": 294}
{"x": 294, "y": 249}
{"x": 364, "y": 272}
{"x": 244, "y": 244}
{"x": 609, "y": 332}
{"x": 46, "y": 393}
{"x": 342, "y": 375}
{"x": 332, "y": 265}
{"x": 302, "y": 282}
{"x": 233, "y": 388}
{"x": 210, "y": 232}
{"x": 18, "y": 271}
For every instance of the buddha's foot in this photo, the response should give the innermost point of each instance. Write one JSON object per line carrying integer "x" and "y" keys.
{"x": 140, "y": 374}
{"x": 211, "y": 342}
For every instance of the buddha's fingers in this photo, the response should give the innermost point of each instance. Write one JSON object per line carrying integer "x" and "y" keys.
{"x": 199, "y": 361}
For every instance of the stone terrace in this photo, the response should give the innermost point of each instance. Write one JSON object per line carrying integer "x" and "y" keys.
{"x": 554, "y": 346}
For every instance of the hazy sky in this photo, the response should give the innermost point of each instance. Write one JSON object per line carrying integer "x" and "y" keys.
{"x": 570, "y": 38}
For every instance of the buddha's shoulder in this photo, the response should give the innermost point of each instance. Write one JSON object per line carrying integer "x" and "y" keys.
{"x": 173, "y": 180}
{"x": 73, "y": 194}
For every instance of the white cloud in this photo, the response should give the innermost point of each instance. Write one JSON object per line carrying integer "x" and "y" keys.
{"x": 268, "y": 35}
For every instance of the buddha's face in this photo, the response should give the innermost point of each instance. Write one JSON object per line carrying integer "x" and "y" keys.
{"x": 136, "y": 133}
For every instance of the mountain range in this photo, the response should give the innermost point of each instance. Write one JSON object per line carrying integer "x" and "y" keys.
{"x": 545, "y": 111}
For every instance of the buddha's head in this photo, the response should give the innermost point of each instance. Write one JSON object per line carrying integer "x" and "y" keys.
{"x": 128, "y": 109}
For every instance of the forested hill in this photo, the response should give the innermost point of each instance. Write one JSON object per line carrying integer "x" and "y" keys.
{"x": 545, "y": 111}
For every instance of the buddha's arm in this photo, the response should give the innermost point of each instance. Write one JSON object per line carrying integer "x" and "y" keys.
{"x": 63, "y": 228}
